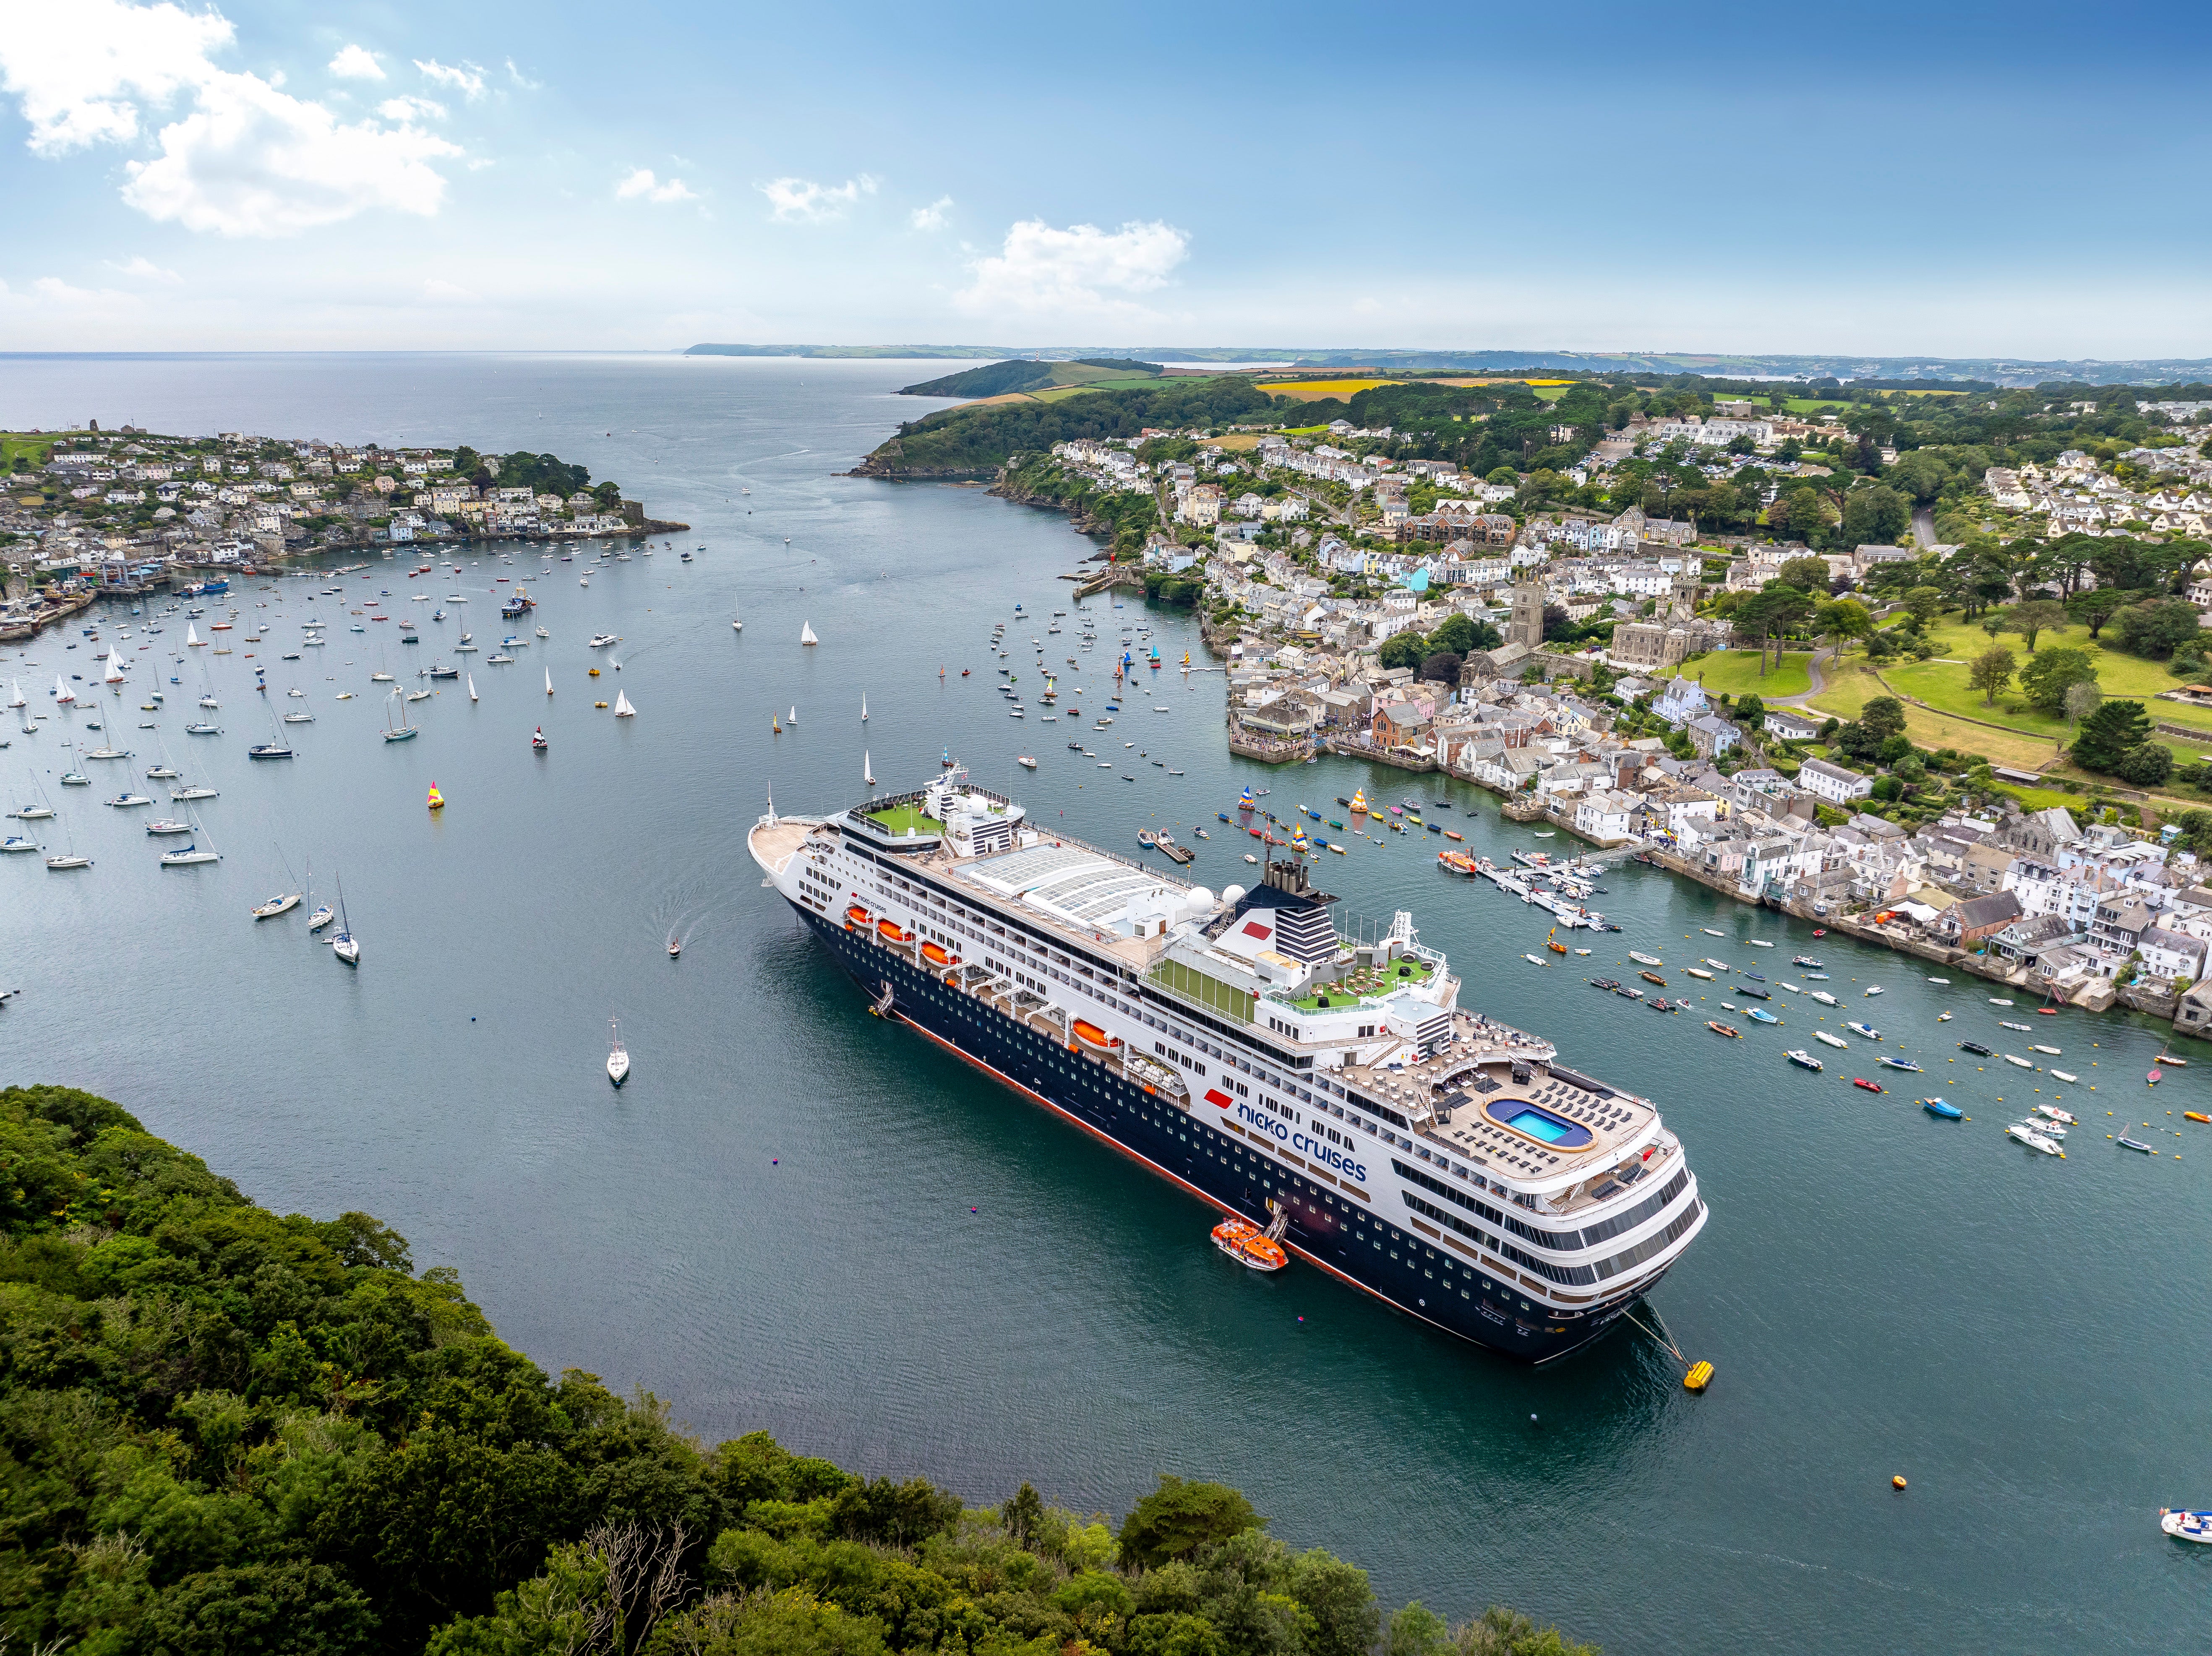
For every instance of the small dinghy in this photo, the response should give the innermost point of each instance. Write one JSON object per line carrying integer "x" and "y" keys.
{"x": 2065, "y": 1075}
{"x": 1941, "y": 980}
{"x": 2058, "y": 1114}
{"x": 1828, "y": 1039}
{"x": 1938, "y": 1107}
{"x": 2018, "y": 1062}
{"x": 1864, "y": 1085}
{"x": 1760, "y": 1016}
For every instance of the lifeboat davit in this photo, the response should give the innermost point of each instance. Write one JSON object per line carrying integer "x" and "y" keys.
{"x": 1094, "y": 1037}
{"x": 892, "y": 930}
{"x": 938, "y": 955}
{"x": 1250, "y": 1247}
{"x": 857, "y": 915}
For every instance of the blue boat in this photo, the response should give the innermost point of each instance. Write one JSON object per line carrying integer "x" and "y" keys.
{"x": 1937, "y": 1107}
{"x": 1899, "y": 1064}
{"x": 1753, "y": 976}
{"x": 1760, "y": 1015}
{"x": 1223, "y": 814}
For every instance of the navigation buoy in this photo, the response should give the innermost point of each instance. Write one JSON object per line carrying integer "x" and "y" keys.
{"x": 1699, "y": 1377}
{"x": 1897, "y": 1483}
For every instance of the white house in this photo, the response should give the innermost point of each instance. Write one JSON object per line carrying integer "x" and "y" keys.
{"x": 1833, "y": 782}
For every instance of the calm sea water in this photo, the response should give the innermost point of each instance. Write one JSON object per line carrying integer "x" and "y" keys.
{"x": 796, "y": 1217}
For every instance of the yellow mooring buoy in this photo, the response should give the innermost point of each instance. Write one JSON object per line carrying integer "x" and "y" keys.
{"x": 1699, "y": 1377}
{"x": 1897, "y": 1483}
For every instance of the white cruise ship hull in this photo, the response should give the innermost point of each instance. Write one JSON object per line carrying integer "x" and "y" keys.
{"x": 1364, "y": 1212}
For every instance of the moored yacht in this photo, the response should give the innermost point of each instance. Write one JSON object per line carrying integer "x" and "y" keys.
{"x": 1237, "y": 1045}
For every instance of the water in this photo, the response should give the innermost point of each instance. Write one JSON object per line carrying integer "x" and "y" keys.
{"x": 771, "y": 1226}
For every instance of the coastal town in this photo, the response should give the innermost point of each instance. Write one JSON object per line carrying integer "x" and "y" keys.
{"x": 92, "y": 513}
{"x": 1382, "y": 606}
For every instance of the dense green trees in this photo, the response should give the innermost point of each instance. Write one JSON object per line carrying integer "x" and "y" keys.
{"x": 2046, "y": 677}
{"x": 1875, "y": 515}
{"x": 2156, "y": 629}
{"x": 980, "y": 439}
{"x": 226, "y": 1433}
{"x": 2114, "y": 739}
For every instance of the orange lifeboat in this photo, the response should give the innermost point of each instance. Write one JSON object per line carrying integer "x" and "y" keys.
{"x": 892, "y": 930}
{"x": 1249, "y": 1245}
{"x": 858, "y": 915}
{"x": 1094, "y": 1037}
{"x": 938, "y": 955}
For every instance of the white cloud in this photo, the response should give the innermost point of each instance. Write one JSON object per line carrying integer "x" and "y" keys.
{"x": 1080, "y": 271}
{"x": 357, "y": 64}
{"x": 445, "y": 292}
{"x": 247, "y": 159}
{"x": 403, "y": 108}
{"x": 250, "y": 161}
{"x": 931, "y": 217}
{"x": 146, "y": 271}
{"x": 804, "y": 199}
{"x": 522, "y": 80}
{"x": 80, "y": 70}
{"x": 468, "y": 79}
{"x": 643, "y": 183}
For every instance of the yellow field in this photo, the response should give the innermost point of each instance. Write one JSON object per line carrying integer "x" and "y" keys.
{"x": 1310, "y": 389}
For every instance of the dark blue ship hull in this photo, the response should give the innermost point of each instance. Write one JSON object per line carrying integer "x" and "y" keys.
{"x": 1369, "y": 1249}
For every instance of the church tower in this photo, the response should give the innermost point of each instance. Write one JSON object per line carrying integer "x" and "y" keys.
{"x": 1526, "y": 624}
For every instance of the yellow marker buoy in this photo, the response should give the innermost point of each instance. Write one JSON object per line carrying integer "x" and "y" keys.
{"x": 1699, "y": 1377}
{"x": 1897, "y": 1483}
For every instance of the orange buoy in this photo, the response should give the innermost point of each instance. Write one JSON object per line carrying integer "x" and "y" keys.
{"x": 1897, "y": 1483}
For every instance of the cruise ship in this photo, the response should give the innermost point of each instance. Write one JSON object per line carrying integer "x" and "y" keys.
{"x": 1240, "y": 1046}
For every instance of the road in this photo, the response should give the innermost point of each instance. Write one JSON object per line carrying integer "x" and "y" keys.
{"x": 1924, "y": 526}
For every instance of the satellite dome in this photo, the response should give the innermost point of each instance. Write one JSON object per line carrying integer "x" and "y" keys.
{"x": 1230, "y": 894}
{"x": 1198, "y": 897}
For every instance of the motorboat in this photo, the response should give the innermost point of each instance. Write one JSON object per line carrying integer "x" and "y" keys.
{"x": 1803, "y": 1060}
{"x": 1944, "y": 1109}
{"x": 601, "y": 641}
{"x": 1976, "y": 1048}
{"x": 1760, "y": 1015}
{"x": 2185, "y": 1526}
{"x": 2067, "y": 1075}
{"x": 1864, "y": 1085}
{"x": 2023, "y": 1133}
{"x": 1828, "y": 1039}
{"x": 1874, "y": 989}
{"x": 2058, "y": 1114}
{"x": 1895, "y": 1063}
{"x": 2018, "y": 1062}
{"x": 1868, "y": 1030}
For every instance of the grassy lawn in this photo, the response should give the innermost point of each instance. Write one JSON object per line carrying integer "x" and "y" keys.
{"x": 906, "y": 819}
{"x": 1852, "y": 688}
{"x": 1942, "y": 684}
{"x": 36, "y": 447}
{"x": 1736, "y": 672}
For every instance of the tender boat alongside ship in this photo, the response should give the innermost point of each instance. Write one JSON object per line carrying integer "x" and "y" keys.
{"x": 1240, "y": 1046}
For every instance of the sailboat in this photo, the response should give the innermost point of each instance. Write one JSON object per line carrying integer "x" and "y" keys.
{"x": 806, "y": 632}
{"x": 193, "y": 638}
{"x": 403, "y": 730}
{"x": 867, "y": 773}
{"x": 538, "y": 740}
{"x": 63, "y": 695}
{"x": 737, "y": 622}
{"x": 321, "y": 916}
{"x": 188, "y": 855}
{"x": 549, "y": 680}
{"x": 275, "y": 748}
{"x": 15, "y": 693}
{"x": 344, "y": 945}
{"x": 472, "y": 686}
{"x": 864, "y": 706}
{"x": 115, "y": 668}
{"x": 793, "y": 719}
{"x": 622, "y": 709}
{"x": 617, "y": 1056}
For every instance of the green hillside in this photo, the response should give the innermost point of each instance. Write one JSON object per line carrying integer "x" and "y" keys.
{"x": 1023, "y": 374}
{"x": 976, "y": 441}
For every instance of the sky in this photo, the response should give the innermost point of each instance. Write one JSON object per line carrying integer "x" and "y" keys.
{"x": 2025, "y": 180}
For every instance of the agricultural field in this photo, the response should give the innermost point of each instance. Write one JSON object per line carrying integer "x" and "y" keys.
{"x": 1310, "y": 390}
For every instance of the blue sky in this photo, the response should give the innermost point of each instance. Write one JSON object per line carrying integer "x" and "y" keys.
{"x": 2020, "y": 180}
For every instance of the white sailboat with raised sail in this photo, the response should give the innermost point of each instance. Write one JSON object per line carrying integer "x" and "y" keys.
{"x": 806, "y": 632}
{"x": 737, "y": 621}
{"x": 193, "y": 638}
{"x": 63, "y": 695}
{"x": 622, "y": 709}
{"x": 617, "y": 1056}
{"x": 116, "y": 668}
{"x": 864, "y": 706}
{"x": 473, "y": 688}
{"x": 15, "y": 692}
{"x": 867, "y": 771}
{"x": 549, "y": 680}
